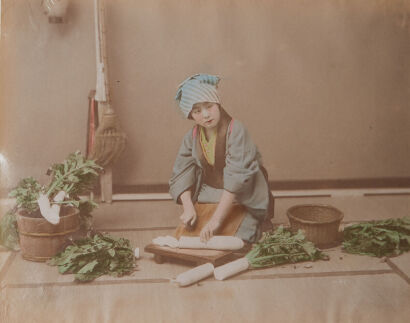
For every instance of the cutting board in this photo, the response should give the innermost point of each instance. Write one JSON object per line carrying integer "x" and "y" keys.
{"x": 194, "y": 256}
{"x": 202, "y": 256}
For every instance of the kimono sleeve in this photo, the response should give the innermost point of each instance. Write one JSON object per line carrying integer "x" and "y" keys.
{"x": 184, "y": 170}
{"x": 241, "y": 162}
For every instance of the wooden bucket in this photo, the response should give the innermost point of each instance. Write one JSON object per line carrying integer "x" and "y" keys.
{"x": 39, "y": 239}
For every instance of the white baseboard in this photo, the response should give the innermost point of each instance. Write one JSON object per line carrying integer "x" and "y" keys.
{"x": 8, "y": 202}
{"x": 278, "y": 194}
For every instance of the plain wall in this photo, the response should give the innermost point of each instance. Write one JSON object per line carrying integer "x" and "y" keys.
{"x": 322, "y": 86}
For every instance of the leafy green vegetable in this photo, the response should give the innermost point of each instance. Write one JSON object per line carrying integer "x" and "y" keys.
{"x": 75, "y": 176}
{"x": 93, "y": 257}
{"x": 26, "y": 194}
{"x": 9, "y": 236}
{"x": 86, "y": 219}
{"x": 282, "y": 246}
{"x": 389, "y": 237}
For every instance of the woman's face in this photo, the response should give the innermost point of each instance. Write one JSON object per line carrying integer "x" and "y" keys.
{"x": 206, "y": 114}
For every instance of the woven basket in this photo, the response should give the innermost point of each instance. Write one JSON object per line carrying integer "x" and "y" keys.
{"x": 319, "y": 222}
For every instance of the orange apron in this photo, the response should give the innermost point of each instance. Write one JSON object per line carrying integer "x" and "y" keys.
{"x": 204, "y": 213}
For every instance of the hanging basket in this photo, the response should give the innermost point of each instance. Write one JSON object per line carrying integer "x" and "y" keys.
{"x": 39, "y": 239}
{"x": 319, "y": 222}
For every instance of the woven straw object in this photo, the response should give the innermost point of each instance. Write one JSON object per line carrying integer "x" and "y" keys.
{"x": 319, "y": 222}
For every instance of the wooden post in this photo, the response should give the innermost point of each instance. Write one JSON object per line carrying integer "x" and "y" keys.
{"x": 106, "y": 185}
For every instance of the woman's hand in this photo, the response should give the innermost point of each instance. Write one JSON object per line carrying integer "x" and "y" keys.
{"x": 210, "y": 229}
{"x": 224, "y": 206}
{"x": 189, "y": 217}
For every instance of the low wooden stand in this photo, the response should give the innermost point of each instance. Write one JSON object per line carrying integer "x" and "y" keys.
{"x": 195, "y": 256}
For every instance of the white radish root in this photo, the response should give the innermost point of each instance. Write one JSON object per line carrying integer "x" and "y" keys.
{"x": 51, "y": 212}
{"x": 137, "y": 253}
{"x": 166, "y": 241}
{"x": 231, "y": 268}
{"x": 216, "y": 242}
{"x": 47, "y": 211}
{"x": 191, "y": 243}
{"x": 225, "y": 243}
{"x": 194, "y": 275}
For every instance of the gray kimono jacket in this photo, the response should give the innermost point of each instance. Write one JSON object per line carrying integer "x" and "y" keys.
{"x": 242, "y": 176}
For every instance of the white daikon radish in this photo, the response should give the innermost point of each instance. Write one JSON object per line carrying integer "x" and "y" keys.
{"x": 59, "y": 197}
{"x": 216, "y": 242}
{"x": 137, "y": 253}
{"x": 50, "y": 212}
{"x": 191, "y": 243}
{"x": 194, "y": 275}
{"x": 225, "y": 243}
{"x": 166, "y": 241}
{"x": 55, "y": 208}
{"x": 44, "y": 205}
{"x": 231, "y": 268}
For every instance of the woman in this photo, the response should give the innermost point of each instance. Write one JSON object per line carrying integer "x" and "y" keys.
{"x": 218, "y": 163}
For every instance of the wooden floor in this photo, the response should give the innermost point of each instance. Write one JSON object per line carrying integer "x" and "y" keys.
{"x": 347, "y": 288}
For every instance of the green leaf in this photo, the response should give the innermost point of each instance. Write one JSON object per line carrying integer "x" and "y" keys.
{"x": 88, "y": 276}
{"x": 310, "y": 249}
{"x": 26, "y": 194}
{"x": 378, "y": 238}
{"x": 95, "y": 256}
{"x": 65, "y": 268}
{"x": 88, "y": 267}
{"x": 9, "y": 236}
{"x": 282, "y": 246}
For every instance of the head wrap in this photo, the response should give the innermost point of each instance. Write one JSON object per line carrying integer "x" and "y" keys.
{"x": 195, "y": 89}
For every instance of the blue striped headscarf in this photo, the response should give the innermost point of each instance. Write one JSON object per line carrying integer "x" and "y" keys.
{"x": 195, "y": 89}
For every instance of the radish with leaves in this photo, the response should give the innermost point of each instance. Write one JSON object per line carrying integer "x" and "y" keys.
{"x": 274, "y": 248}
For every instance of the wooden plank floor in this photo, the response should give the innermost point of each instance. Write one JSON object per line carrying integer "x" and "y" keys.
{"x": 347, "y": 288}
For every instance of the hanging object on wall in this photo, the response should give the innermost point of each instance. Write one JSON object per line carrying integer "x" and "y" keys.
{"x": 108, "y": 140}
{"x": 92, "y": 123}
{"x": 55, "y": 10}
